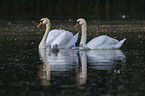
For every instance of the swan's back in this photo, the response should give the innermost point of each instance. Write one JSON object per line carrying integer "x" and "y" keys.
{"x": 62, "y": 39}
{"x": 53, "y": 34}
{"x": 96, "y": 42}
{"x": 104, "y": 42}
{"x": 111, "y": 41}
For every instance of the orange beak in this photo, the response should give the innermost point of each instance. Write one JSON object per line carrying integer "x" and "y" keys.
{"x": 39, "y": 24}
{"x": 77, "y": 25}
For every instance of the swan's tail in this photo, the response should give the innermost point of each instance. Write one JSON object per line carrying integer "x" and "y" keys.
{"x": 72, "y": 41}
{"x": 117, "y": 46}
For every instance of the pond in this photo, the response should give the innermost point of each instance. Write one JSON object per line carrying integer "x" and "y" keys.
{"x": 26, "y": 70}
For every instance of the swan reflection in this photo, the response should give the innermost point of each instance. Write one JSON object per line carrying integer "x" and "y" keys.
{"x": 57, "y": 64}
{"x": 105, "y": 59}
{"x": 82, "y": 74}
{"x": 98, "y": 60}
{"x": 44, "y": 72}
{"x": 64, "y": 60}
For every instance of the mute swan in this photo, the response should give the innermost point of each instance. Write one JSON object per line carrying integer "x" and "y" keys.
{"x": 61, "y": 38}
{"x": 101, "y": 42}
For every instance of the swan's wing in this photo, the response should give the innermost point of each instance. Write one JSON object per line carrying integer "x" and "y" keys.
{"x": 117, "y": 46}
{"x": 104, "y": 42}
{"x": 111, "y": 41}
{"x": 112, "y": 44}
{"x": 53, "y": 34}
{"x": 94, "y": 43}
{"x": 72, "y": 41}
{"x": 62, "y": 39}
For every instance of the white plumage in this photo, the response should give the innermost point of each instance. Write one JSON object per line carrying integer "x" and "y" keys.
{"x": 64, "y": 39}
{"x": 101, "y": 42}
{"x": 61, "y": 38}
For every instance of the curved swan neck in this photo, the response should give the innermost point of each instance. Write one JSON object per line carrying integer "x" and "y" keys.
{"x": 84, "y": 35}
{"x": 43, "y": 41}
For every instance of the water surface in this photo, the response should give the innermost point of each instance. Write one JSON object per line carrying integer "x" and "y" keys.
{"x": 27, "y": 70}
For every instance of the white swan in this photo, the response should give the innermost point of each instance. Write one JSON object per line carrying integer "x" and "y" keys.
{"x": 101, "y": 42}
{"x": 61, "y": 38}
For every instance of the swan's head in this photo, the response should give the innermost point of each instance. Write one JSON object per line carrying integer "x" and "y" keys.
{"x": 43, "y": 21}
{"x": 80, "y": 21}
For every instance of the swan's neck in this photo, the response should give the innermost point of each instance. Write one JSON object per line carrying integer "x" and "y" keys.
{"x": 43, "y": 41}
{"x": 84, "y": 35}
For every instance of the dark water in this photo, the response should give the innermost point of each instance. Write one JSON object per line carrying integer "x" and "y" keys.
{"x": 26, "y": 70}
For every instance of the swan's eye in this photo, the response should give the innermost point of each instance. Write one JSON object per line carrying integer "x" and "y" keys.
{"x": 78, "y": 22}
{"x": 41, "y": 21}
